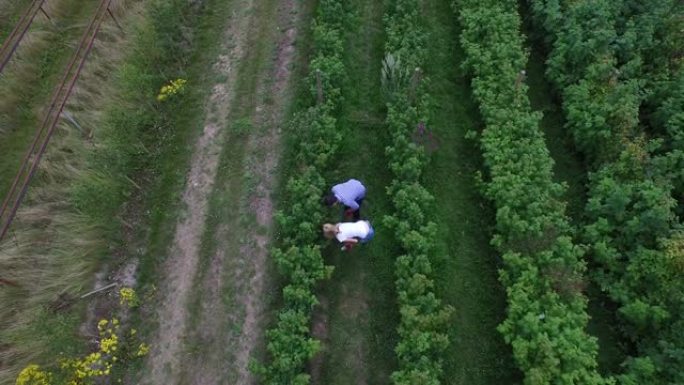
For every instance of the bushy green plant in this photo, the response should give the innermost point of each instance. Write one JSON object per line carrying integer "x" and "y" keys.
{"x": 546, "y": 316}
{"x": 612, "y": 63}
{"x": 423, "y": 318}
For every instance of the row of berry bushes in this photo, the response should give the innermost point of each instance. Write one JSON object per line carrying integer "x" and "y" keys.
{"x": 659, "y": 46}
{"x": 422, "y": 337}
{"x": 298, "y": 258}
{"x": 600, "y": 97}
{"x": 543, "y": 268}
{"x": 611, "y": 63}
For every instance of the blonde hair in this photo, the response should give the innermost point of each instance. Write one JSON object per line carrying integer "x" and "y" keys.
{"x": 329, "y": 230}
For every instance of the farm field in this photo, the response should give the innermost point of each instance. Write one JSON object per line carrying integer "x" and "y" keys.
{"x": 523, "y": 172}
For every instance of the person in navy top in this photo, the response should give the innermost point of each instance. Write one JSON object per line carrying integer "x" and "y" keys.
{"x": 351, "y": 194}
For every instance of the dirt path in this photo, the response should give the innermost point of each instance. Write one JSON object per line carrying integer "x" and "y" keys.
{"x": 217, "y": 273}
{"x": 264, "y": 150}
{"x": 181, "y": 265}
{"x": 234, "y": 301}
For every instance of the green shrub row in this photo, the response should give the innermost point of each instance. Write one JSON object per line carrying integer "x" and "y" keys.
{"x": 423, "y": 318}
{"x": 663, "y": 108}
{"x": 607, "y": 58}
{"x": 290, "y": 345}
{"x": 634, "y": 236}
{"x": 637, "y": 244}
{"x": 668, "y": 118}
{"x": 601, "y": 101}
{"x": 543, "y": 268}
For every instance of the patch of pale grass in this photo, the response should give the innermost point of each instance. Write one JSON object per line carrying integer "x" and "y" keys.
{"x": 21, "y": 76}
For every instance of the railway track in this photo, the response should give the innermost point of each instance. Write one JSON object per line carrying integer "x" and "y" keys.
{"x": 12, "y": 42}
{"x": 44, "y": 132}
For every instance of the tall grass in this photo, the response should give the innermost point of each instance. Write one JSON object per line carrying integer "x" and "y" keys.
{"x": 27, "y": 81}
{"x": 53, "y": 247}
{"x": 123, "y": 135}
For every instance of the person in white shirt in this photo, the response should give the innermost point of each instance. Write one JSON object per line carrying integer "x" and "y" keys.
{"x": 349, "y": 233}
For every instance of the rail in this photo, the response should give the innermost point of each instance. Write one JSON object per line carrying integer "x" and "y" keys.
{"x": 9, "y": 46}
{"x": 35, "y": 151}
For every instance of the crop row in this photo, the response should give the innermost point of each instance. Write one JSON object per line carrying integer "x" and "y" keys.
{"x": 663, "y": 69}
{"x": 543, "y": 268}
{"x": 422, "y": 337}
{"x": 298, "y": 258}
{"x": 598, "y": 63}
{"x": 601, "y": 101}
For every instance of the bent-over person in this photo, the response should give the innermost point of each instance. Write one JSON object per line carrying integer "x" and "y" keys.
{"x": 351, "y": 194}
{"x": 349, "y": 233}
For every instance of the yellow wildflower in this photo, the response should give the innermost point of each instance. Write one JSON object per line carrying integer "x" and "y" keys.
{"x": 32, "y": 375}
{"x": 143, "y": 349}
{"x": 128, "y": 297}
{"x": 174, "y": 87}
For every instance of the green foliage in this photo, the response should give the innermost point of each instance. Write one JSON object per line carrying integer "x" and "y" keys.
{"x": 614, "y": 62}
{"x": 601, "y": 96}
{"x": 137, "y": 129}
{"x": 668, "y": 119}
{"x": 633, "y": 233}
{"x": 422, "y": 334}
{"x": 543, "y": 268}
{"x": 290, "y": 346}
{"x": 299, "y": 259}
{"x": 393, "y": 75}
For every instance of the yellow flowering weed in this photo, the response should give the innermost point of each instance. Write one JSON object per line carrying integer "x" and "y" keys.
{"x": 174, "y": 87}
